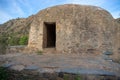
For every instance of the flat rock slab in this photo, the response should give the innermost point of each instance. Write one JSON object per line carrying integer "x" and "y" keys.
{"x": 17, "y": 67}
{"x": 32, "y": 67}
{"x": 88, "y": 71}
{"x": 8, "y": 65}
{"x": 83, "y": 64}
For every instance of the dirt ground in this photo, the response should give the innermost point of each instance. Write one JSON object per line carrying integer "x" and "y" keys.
{"x": 59, "y": 62}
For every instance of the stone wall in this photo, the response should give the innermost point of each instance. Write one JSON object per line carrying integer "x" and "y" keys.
{"x": 78, "y": 29}
{"x": 116, "y": 55}
{"x": 18, "y": 49}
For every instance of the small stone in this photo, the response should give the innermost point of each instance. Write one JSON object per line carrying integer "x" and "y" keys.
{"x": 106, "y": 57}
{"x": 18, "y": 67}
{"x": 32, "y": 67}
{"x": 7, "y": 65}
{"x": 47, "y": 70}
{"x": 108, "y": 53}
{"x": 110, "y": 60}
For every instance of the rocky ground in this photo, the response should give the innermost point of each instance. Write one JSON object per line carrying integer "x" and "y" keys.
{"x": 57, "y": 63}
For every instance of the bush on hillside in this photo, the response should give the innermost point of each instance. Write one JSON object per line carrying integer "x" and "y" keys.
{"x": 3, "y": 43}
{"x": 23, "y": 40}
{"x": 3, "y": 74}
{"x": 12, "y": 41}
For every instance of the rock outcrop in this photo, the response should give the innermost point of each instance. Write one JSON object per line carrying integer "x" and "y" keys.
{"x": 17, "y": 27}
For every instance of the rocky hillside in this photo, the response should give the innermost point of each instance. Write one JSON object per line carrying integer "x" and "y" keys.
{"x": 118, "y": 20}
{"x": 15, "y": 32}
{"x": 17, "y": 27}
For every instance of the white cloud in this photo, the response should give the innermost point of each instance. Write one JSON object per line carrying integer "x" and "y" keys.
{"x": 27, "y": 4}
{"x": 4, "y": 16}
{"x": 16, "y": 9}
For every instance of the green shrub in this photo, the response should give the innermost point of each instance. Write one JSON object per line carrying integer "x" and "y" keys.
{"x": 66, "y": 77}
{"x": 12, "y": 41}
{"x": 23, "y": 40}
{"x": 3, "y": 43}
{"x": 39, "y": 52}
{"x": 3, "y": 74}
{"x": 78, "y": 77}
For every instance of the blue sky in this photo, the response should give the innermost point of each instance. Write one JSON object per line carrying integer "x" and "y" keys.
{"x": 11, "y": 9}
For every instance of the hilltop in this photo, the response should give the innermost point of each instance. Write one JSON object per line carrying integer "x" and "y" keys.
{"x": 17, "y": 27}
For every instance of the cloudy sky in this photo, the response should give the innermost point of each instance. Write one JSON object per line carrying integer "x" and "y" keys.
{"x": 11, "y": 9}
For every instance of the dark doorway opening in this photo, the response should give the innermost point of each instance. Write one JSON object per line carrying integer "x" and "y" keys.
{"x": 49, "y": 34}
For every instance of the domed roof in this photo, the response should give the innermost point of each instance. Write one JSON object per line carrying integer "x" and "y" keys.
{"x": 69, "y": 10}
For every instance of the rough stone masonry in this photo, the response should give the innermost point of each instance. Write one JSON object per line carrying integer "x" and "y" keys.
{"x": 72, "y": 28}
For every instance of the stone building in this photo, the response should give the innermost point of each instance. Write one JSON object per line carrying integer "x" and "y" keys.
{"x": 72, "y": 28}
